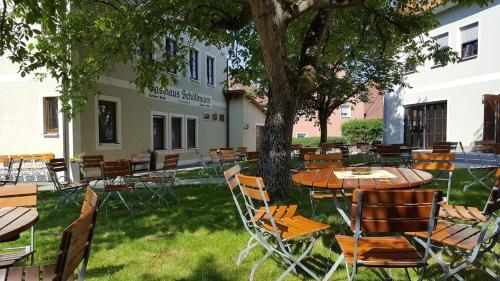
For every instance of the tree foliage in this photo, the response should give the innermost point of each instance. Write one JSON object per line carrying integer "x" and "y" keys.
{"x": 362, "y": 130}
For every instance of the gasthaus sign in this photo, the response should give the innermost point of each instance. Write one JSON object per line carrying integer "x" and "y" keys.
{"x": 172, "y": 94}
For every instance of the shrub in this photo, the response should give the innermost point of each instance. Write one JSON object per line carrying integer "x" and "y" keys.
{"x": 314, "y": 141}
{"x": 362, "y": 130}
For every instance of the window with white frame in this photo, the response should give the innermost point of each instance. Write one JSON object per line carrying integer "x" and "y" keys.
{"x": 191, "y": 132}
{"x": 50, "y": 115}
{"x": 210, "y": 70}
{"x": 108, "y": 121}
{"x": 442, "y": 41}
{"x": 193, "y": 64}
{"x": 301, "y": 135}
{"x": 171, "y": 50}
{"x": 469, "y": 41}
{"x": 176, "y": 131}
{"x": 345, "y": 111}
{"x": 159, "y": 125}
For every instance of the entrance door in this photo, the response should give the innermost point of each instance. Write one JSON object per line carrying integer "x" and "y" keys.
{"x": 491, "y": 127}
{"x": 259, "y": 131}
{"x": 425, "y": 124}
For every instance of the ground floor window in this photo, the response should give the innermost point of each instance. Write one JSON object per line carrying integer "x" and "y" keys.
{"x": 191, "y": 131}
{"x": 107, "y": 121}
{"x": 159, "y": 125}
{"x": 50, "y": 115}
{"x": 425, "y": 124}
{"x": 301, "y": 135}
{"x": 176, "y": 132}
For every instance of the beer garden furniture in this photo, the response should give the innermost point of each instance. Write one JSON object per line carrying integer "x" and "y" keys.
{"x": 115, "y": 174}
{"x": 241, "y": 153}
{"x": 165, "y": 179}
{"x": 440, "y": 163}
{"x": 483, "y": 162}
{"x": 341, "y": 180}
{"x": 63, "y": 184}
{"x": 13, "y": 172}
{"x": 139, "y": 159}
{"x": 92, "y": 168}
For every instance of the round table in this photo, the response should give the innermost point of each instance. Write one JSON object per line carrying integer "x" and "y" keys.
{"x": 14, "y": 220}
{"x": 326, "y": 179}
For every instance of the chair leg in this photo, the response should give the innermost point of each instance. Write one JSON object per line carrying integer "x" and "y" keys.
{"x": 250, "y": 245}
{"x": 123, "y": 201}
{"x": 258, "y": 263}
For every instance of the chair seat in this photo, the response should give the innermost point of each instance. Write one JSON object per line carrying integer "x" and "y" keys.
{"x": 8, "y": 259}
{"x": 73, "y": 185}
{"x": 118, "y": 187}
{"x": 30, "y": 273}
{"x": 390, "y": 251}
{"x": 460, "y": 212}
{"x": 448, "y": 233}
{"x": 279, "y": 212}
{"x": 297, "y": 227}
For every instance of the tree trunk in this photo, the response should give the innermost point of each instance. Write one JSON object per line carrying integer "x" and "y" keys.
{"x": 323, "y": 127}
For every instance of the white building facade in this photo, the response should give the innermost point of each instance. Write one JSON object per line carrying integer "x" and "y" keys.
{"x": 454, "y": 102}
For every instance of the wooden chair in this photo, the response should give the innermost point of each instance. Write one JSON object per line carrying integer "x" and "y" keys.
{"x": 253, "y": 157}
{"x": 389, "y": 155}
{"x": 27, "y": 198}
{"x": 444, "y": 147}
{"x": 440, "y": 164}
{"x": 63, "y": 184}
{"x": 279, "y": 212}
{"x": 166, "y": 179}
{"x": 115, "y": 180}
{"x": 140, "y": 159}
{"x": 326, "y": 147}
{"x": 92, "y": 168}
{"x": 321, "y": 161}
{"x": 241, "y": 153}
{"x": 277, "y": 235}
{"x": 227, "y": 156}
{"x": 295, "y": 150}
{"x": 468, "y": 242}
{"x": 483, "y": 162}
{"x": 306, "y": 150}
{"x": 385, "y": 214}
{"x": 215, "y": 160}
{"x": 74, "y": 249}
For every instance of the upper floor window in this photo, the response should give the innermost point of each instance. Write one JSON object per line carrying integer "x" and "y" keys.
{"x": 469, "y": 40}
{"x": 210, "y": 70}
{"x": 107, "y": 121}
{"x": 50, "y": 115}
{"x": 171, "y": 50}
{"x": 193, "y": 64}
{"x": 345, "y": 111}
{"x": 442, "y": 41}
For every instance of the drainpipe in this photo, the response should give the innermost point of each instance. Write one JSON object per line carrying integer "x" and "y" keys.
{"x": 65, "y": 137}
{"x": 227, "y": 102}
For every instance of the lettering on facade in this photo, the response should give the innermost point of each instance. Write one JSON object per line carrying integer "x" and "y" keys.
{"x": 172, "y": 94}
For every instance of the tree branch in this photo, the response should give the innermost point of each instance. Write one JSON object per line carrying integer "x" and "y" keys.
{"x": 229, "y": 22}
{"x": 112, "y": 5}
{"x": 303, "y": 6}
{"x": 2, "y": 25}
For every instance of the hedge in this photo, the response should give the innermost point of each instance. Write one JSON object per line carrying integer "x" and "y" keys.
{"x": 362, "y": 130}
{"x": 314, "y": 141}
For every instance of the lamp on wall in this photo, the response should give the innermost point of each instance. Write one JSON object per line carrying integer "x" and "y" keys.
{"x": 246, "y": 126}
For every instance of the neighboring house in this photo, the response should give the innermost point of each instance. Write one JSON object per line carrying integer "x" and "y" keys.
{"x": 372, "y": 109}
{"x": 454, "y": 102}
{"x": 188, "y": 117}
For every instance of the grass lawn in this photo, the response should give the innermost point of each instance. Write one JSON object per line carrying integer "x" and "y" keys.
{"x": 199, "y": 238}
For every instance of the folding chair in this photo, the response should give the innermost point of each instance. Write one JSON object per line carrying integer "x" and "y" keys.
{"x": 115, "y": 181}
{"x": 241, "y": 153}
{"x": 321, "y": 161}
{"x": 469, "y": 242}
{"x": 74, "y": 249}
{"x": 483, "y": 162}
{"x": 68, "y": 189}
{"x": 13, "y": 172}
{"x": 440, "y": 163}
{"x": 444, "y": 146}
{"x": 326, "y": 147}
{"x": 27, "y": 197}
{"x": 227, "y": 156}
{"x": 165, "y": 179}
{"x": 385, "y": 213}
{"x": 92, "y": 168}
{"x": 279, "y": 212}
{"x": 143, "y": 159}
{"x": 215, "y": 161}
{"x": 278, "y": 236}
{"x": 389, "y": 155}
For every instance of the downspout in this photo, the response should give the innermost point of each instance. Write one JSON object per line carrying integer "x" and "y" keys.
{"x": 227, "y": 102}
{"x": 65, "y": 136}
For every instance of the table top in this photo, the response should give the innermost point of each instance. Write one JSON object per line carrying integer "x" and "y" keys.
{"x": 18, "y": 190}
{"x": 326, "y": 179}
{"x": 14, "y": 220}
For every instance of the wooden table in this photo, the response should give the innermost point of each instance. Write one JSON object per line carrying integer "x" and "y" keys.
{"x": 14, "y": 220}
{"x": 21, "y": 195}
{"x": 326, "y": 179}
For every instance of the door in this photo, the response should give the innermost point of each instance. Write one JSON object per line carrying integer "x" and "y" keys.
{"x": 425, "y": 124}
{"x": 414, "y": 126}
{"x": 435, "y": 123}
{"x": 491, "y": 127}
{"x": 259, "y": 130}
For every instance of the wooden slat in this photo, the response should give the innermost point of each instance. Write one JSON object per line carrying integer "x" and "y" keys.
{"x": 17, "y": 190}
{"x": 255, "y": 194}
{"x": 19, "y": 201}
{"x": 32, "y": 273}
{"x": 400, "y": 212}
{"x": 421, "y": 156}
{"x": 15, "y": 274}
{"x": 249, "y": 181}
{"x": 433, "y": 166}
{"x": 385, "y": 226}
{"x": 400, "y": 197}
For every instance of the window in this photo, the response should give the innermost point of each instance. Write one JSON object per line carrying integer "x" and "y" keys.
{"x": 50, "y": 115}
{"x": 193, "y": 64}
{"x": 158, "y": 132}
{"x": 221, "y": 117}
{"x": 171, "y": 50}
{"x": 214, "y": 116}
{"x": 210, "y": 70}
{"x": 345, "y": 111}
{"x": 442, "y": 41}
{"x": 206, "y": 116}
{"x": 176, "y": 132}
{"x": 107, "y": 121}
{"x": 191, "y": 132}
{"x": 301, "y": 135}
{"x": 469, "y": 39}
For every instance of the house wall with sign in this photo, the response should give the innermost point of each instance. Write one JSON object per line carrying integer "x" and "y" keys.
{"x": 458, "y": 88}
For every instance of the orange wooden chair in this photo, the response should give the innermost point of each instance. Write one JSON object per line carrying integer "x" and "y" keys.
{"x": 115, "y": 181}
{"x": 386, "y": 214}
{"x": 227, "y": 156}
{"x": 389, "y": 155}
{"x": 277, "y": 236}
{"x": 74, "y": 249}
{"x": 440, "y": 164}
{"x": 253, "y": 157}
{"x": 64, "y": 185}
{"x": 92, "y": 168}
{"x": 165, "y": 180}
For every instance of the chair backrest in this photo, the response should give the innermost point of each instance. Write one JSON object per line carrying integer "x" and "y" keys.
{"x": 434, "y": 161}
{"x": 253, "y": 156}
{"x": 141, "y": 157}
{"x": 54, "y": 166}
{"x": 47, "y": 157}
{"x": 90, "y": 202}
{"x": 385, "y": 211}
{"x": 214, "y": 156}
{"x": 485, "y": 146}
{"x": 227, "y": 154}
{"x": 320, "y": 161}
{"x": 389, "y": 150}
{"x": 444, "y": 146}
{"x": 338, "y": 144}
{"x": 253, "y": 187}
{"x": 114, "y": 169}
{"x": 493, "y": 203}
{"x": 92, "y": 161}
{"x": 325, "y": 147}
{"x": 296, "y": 146}
{"x": 242, "y": 150}
{"x": 306, "y": 150}
{"x": 171, "y": 161}
{"x": 76, "y": 242}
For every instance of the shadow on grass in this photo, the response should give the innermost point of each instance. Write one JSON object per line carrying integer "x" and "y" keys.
{"x": 206, "y": 270}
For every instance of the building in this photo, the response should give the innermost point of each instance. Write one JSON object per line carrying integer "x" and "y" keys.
{"x": 372, "y": 109}
{"x": 189, "y": 117}
{"x": 454, "y": 102}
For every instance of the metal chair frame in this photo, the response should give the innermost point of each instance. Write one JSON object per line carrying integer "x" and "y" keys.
{"x": 485, "y": 168}
{"x": 443, "y": 163}
{"x": 116, "y": 176}
{"x": 12, "y": 177}
{"x": 67, "y": 187}
{"x": 165, "y": 180}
